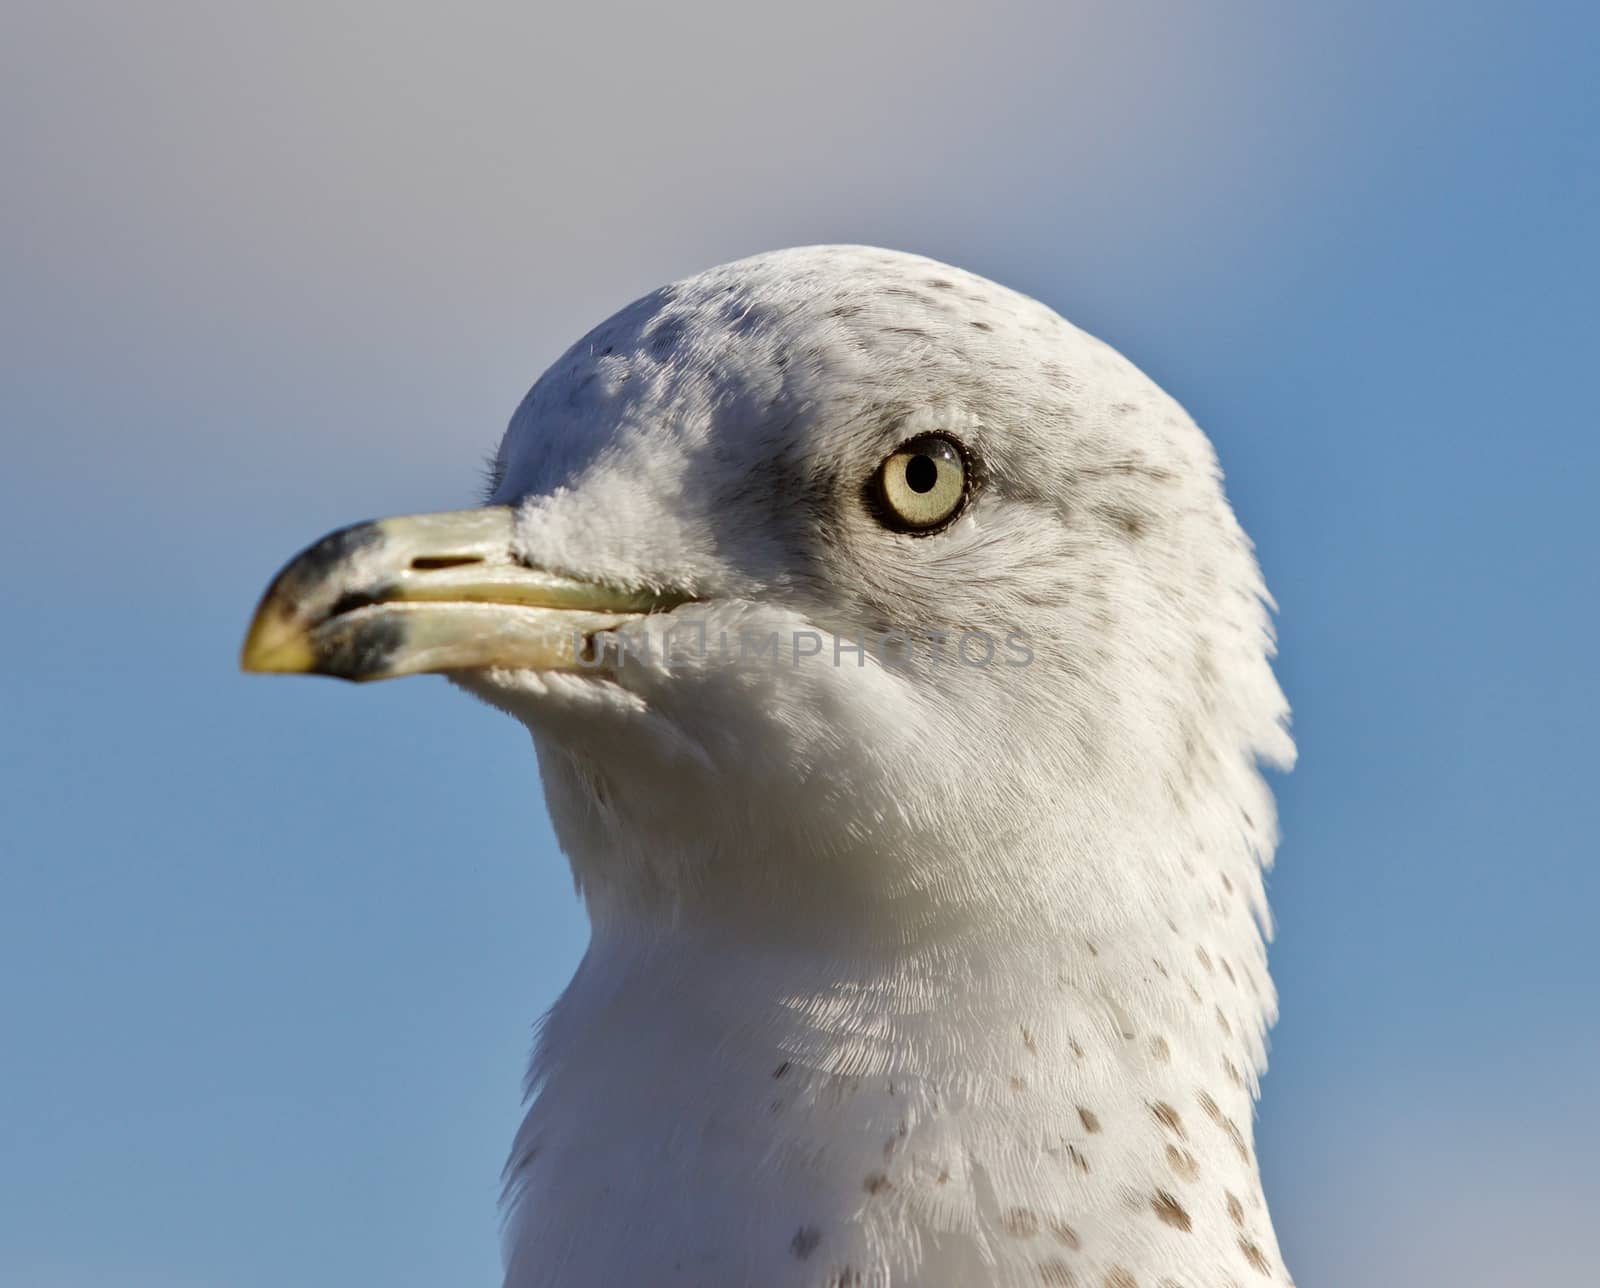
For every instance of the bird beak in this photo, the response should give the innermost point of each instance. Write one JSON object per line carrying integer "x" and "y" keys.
{"x": 431, "y": 593}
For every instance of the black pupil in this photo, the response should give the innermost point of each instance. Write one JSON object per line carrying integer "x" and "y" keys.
{"x": 921, "y": 473}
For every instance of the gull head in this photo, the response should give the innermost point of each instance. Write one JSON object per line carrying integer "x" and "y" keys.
{"x": 900, "y": 680}
{"x": 845, "y": 594}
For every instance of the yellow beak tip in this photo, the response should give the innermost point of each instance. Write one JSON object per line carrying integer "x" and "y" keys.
{"x": 280, "y": 652}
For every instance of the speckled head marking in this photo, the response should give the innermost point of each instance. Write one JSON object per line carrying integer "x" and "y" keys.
{"x": 914, "y": 974}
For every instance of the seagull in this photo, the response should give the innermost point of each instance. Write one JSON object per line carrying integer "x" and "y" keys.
{"x": 900, "y": 680}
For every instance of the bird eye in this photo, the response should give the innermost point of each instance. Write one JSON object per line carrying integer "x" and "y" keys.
{"x": 923, "y": 484}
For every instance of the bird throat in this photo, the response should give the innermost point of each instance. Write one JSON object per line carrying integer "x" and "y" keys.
{"x": 1071, "y": 1113}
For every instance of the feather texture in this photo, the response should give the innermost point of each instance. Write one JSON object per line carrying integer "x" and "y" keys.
{"x": 905, "y": 970}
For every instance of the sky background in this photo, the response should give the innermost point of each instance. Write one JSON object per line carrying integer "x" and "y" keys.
{"x": 270, "y": 951}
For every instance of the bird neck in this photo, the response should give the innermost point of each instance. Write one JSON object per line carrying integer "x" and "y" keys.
{"x": 1065, "y": 1109}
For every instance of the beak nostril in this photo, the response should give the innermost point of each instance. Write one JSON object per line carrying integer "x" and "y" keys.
{"x": 428, "y": 563}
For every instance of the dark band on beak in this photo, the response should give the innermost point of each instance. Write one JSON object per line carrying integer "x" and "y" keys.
{"x": 431, "y": 593}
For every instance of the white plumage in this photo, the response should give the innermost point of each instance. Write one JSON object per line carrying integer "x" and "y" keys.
{"x": 925, "y": 974}
{"x": 899, "y": 677}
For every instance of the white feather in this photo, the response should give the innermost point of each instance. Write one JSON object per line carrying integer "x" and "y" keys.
{"x": 930, "y": 975}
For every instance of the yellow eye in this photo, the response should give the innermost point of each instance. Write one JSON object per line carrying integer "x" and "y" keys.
{"x": 923, "y": 484}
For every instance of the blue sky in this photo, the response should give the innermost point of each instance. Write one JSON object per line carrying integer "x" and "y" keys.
{"x": 270, "y": 951}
